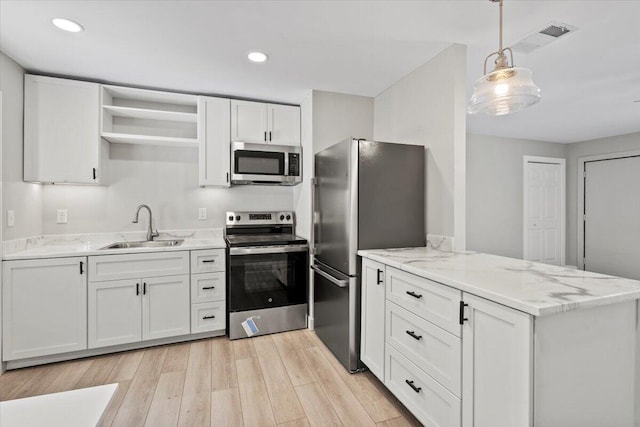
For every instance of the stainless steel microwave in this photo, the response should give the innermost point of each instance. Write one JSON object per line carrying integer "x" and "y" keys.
{"x": 265, "y": 164}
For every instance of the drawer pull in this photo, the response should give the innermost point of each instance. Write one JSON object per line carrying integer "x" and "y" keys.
{"x": 208, "y": 317}
{"x": 208, "y": 287}
{"x": 413, "y": 335}
{"x": 416, "y": 389}
{"x": 208, "y": 260}
{"x": 462, "y": 319}
{"x": 413, "y": 294}
{"x": 378, "y": 279}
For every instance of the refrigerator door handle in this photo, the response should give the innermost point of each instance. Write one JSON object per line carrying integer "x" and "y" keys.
{"x": 337, "y": 282}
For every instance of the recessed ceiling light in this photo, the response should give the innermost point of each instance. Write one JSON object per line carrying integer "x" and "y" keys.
{"x": 257, "y": 57}
{"x": 67, "y": 25}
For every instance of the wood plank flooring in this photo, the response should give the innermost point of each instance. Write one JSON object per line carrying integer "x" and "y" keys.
{"x": 288, "y": 379}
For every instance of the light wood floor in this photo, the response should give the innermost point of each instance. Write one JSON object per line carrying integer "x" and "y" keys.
{"x": 288, "y": 379}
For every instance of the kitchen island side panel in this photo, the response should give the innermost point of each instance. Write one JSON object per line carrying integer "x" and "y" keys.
{"x": 585, "y": 367}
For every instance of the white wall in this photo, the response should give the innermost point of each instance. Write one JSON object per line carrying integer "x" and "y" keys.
{"x": 576, "y": 150}
{"x": 165, "y": 178}
{"x": 427, "y": 107}
{"x": 495, "y": 193}
{"x": 327, "y": 118}
{"x": 25, "y": 199}
{"x": 338, "y": 116}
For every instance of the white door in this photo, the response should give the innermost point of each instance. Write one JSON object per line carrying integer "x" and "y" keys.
{"x": 44, "y": 309}
{"x": 249, "y": 122}
{"x": 61, "y": 123}
{"x": 544, "y": 210}
{"x": 496, "y": 365}
{"x": 612, "y": 217}
{"x": 215, "y": 139}
{"x": 165, "y": 307}
{"x": 284, "y": 124}
{"x": 114, "y": 312}
{"x": 372, "y": 317}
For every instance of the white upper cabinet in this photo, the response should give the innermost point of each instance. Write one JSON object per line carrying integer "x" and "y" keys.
{"x": 215, "y": 130}
{"x": 284, "y": 124}
{"x": 258, "y": 122}
{"x": 61, "y": 131}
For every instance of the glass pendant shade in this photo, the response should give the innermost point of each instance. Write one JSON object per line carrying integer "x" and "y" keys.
{"x": 503, "y": 91}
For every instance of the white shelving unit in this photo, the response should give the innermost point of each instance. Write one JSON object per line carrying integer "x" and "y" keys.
{"x": 140, "y": 116}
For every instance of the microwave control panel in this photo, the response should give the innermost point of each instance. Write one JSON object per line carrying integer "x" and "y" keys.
{"x": 294, "y": 164}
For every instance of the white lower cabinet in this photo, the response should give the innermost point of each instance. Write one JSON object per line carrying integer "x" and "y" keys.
{"x": 430, "y": 402}
{"x": 44, "y": 307}
{"x": 208, "y": 316}
{"x": 208, "y": 291}
{"x": 453, "y": 359}
{"x": 496, "y": 364}
{"x": 146, "y": 304}
{"x": 372, "y": 317}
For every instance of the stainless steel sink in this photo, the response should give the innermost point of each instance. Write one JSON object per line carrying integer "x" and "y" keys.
{"x": 144, "y": 244}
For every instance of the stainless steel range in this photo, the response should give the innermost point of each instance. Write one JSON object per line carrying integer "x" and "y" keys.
{"x": 267, "y": 274}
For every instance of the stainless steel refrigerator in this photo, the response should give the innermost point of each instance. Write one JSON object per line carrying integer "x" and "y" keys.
{"x": 367, "y": 195}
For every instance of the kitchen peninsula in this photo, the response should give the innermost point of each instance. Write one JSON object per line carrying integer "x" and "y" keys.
{"x": 476, "y": 339}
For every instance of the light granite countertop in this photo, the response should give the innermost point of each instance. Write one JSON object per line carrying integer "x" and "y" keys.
{"x": 59, "y": 246}
{"x": 531, "y": 287}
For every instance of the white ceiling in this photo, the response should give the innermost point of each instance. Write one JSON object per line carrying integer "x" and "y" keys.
{"x": 589, "y": 79}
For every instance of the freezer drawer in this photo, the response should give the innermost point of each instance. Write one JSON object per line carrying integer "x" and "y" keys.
{"x": 337, "y": 318}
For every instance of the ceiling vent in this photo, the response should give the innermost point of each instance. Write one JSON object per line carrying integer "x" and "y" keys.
{"x": 549, "y": 33}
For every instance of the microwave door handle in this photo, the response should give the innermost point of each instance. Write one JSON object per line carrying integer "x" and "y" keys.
{"x": 339, "y": 283}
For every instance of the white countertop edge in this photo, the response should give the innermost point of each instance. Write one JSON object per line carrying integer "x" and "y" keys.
{"x": 74, "y": 245}
{"x": 500, "y": 298}
{"x": 85, "y": 407}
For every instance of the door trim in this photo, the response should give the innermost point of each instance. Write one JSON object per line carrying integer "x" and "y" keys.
{"x": 563, "y": 208}
{"x": 582, "y": 161}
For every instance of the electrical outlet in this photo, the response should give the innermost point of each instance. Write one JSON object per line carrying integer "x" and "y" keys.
{"x": 202, "y": 214}
{"x": 61, "y": 216}
{"x": 11, "y": 218}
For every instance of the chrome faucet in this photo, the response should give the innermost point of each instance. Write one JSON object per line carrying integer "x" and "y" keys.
{"x": 150, "y": 233}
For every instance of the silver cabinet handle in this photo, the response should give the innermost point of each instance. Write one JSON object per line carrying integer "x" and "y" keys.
{"x": 337, "y": 282}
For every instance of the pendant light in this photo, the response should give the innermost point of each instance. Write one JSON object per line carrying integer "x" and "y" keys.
{"x": 506, "y": 89}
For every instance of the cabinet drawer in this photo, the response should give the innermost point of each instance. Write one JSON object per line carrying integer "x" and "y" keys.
{"x": 430, "y": 402}
{"x": 208, "y": 287}
{"x": 430, "y": 300}
{"x": 135, "y": 266}
{"x": 431, "y": 348}
{"x": 208, "y": 316}
{"x": 207, "y": 261}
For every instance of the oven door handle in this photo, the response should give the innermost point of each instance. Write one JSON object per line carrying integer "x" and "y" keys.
{"x": 337, "y": 282}
{"x": 268, "y": 250}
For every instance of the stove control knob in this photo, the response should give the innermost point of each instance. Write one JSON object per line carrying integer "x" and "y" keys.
{"x": 288, "y": 217}
{"x": 281, "y": 217}
{"x": 237, "y": 217}
{"x": 230, "y": 217}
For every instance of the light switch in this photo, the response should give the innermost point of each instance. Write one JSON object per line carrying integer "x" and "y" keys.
{"x": 61, "y": 216}
{"x": 202, "y": 214}
{"x": 11, "y": 218}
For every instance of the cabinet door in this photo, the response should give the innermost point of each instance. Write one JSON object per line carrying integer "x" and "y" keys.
{"x": 284, "y": 124}
{"x": 372, "y": 312}
{"x": 215, "y": 138}
{"x": 114, "y": 312}
{"x": 165, "y": 307}
{"x": 61, "y": 130}
{"x": 44, "y": 309}
{"x": 248, "y": 121}
{"x": 496, "y": 365}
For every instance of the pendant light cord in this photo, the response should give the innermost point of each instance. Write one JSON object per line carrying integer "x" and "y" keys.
{"x": 500, "y": 44}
